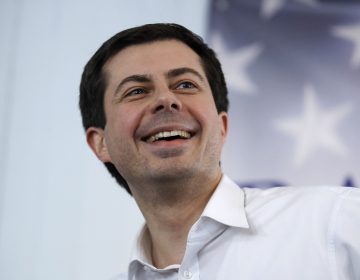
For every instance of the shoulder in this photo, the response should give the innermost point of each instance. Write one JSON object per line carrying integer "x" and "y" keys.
{"x": 315, "y": 199}
{"x": 301, "y": 192}
{"x": 317, "y": 215}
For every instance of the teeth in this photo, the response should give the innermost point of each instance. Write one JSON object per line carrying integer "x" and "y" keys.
{"x": 165, "y": 134}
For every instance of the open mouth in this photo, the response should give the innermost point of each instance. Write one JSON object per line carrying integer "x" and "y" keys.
{"x": 168, "y": 136}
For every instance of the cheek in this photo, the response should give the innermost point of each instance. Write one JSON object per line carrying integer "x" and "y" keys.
{"x": 207, "y": 115}
{"x": 119, "y": 135}
{"x": 212, "y": 124}
{"x": 124, "y": 122}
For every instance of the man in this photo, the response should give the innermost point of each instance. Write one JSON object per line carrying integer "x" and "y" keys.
{"x": 154, "y": 101}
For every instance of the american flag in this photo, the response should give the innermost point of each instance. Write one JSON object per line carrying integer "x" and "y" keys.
{"x": 293, "y": 73}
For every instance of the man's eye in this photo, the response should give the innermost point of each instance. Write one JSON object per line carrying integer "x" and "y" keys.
{"x": 136, "y": 91}
{"x": 185, "y": 85}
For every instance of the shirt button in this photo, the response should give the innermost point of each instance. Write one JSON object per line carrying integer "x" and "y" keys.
{"x": 187, "y": 274}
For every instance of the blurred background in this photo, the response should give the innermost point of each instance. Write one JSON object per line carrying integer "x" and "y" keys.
{"x": 293, "y": 70}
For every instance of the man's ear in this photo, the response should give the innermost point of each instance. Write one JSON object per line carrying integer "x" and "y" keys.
{"x": 223, "y": 119}
{"x": 96, "y": 141}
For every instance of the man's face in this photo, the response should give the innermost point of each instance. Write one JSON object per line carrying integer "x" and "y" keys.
{"x": 161, "y": 119}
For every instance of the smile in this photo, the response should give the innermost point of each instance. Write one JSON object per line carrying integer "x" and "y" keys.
{"x": 168, "y": 136}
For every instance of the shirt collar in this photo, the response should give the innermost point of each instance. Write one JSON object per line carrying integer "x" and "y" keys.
{"x": 141, "y": 252}
{"x": 142, "y": 248}
{"x": 226, "y": 206}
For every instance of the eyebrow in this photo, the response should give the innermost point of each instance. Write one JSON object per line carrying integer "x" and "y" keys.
{"x": 133, "y": 78}
{"x": 147, "y": 78}
{"x": 183, "y": 70}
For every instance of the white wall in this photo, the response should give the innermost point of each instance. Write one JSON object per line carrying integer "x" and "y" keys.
{"x": 62, "y": 216}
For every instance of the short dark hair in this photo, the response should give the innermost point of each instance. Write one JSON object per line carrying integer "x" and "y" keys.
{"x": 93, "y": 82}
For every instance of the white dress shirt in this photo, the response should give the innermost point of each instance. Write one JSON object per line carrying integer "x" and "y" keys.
{"x": 292, "y": 233}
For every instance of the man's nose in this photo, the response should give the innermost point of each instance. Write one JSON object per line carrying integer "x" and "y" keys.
{"x": 166, "y": 100}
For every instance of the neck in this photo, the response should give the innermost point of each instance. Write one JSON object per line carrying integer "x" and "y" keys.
{"x": 169, "y": 218}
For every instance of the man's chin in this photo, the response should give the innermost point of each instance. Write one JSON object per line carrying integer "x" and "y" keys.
{"x": 172, "y": 172}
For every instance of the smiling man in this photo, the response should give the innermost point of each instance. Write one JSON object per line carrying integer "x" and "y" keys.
{"x": 154, "y": 106}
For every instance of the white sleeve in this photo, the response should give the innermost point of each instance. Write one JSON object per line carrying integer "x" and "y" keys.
{"x": 346, "y": 236}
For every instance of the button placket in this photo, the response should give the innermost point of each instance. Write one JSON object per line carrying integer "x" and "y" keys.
{"x": 187, "y": 274}
{"x": 198, "y": 236}
{"x": 190, "y": 268}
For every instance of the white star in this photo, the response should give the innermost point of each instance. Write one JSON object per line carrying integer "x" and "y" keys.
{"x": 270, "y": 7}
{"x": 316, "y": 128}
{"x": 352, "y": 33}
{"x": 235, "y": 64}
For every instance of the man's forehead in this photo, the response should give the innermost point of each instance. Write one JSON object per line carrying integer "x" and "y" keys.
{"x": 156, "y": 55}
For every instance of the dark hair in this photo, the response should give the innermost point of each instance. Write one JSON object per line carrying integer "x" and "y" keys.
{"x": 93, "y": 82}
